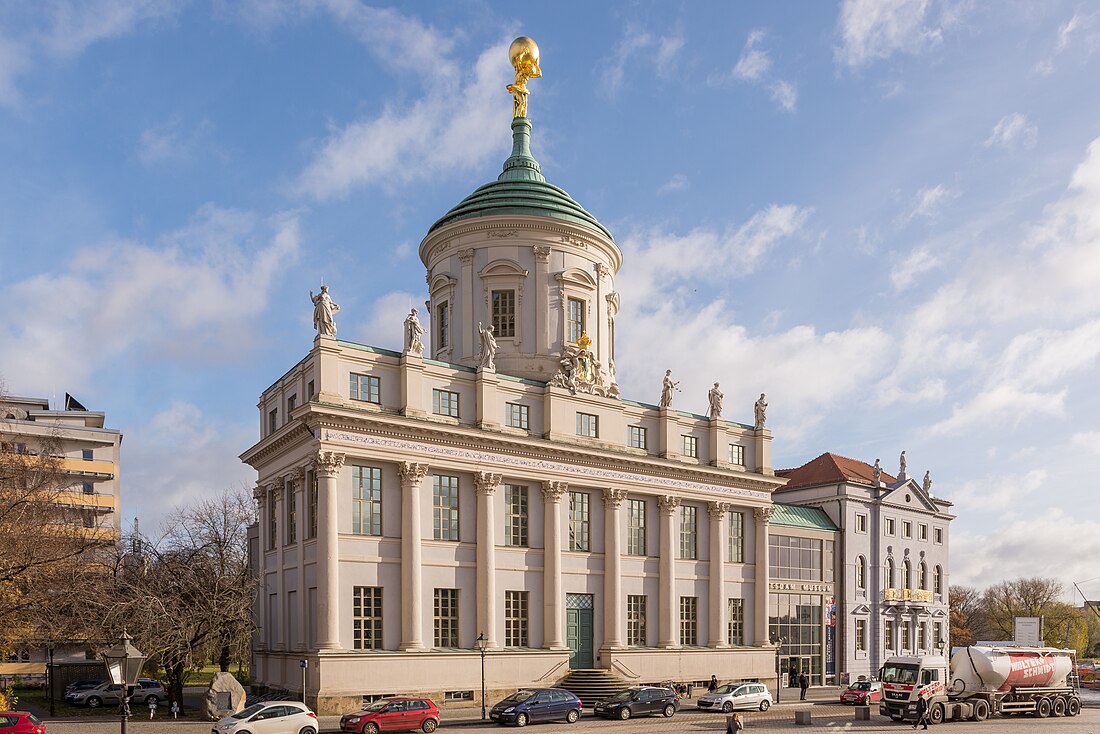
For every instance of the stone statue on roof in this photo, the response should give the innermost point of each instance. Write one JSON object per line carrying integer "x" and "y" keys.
{"x": 324, "y": 310}
{"x": 413, "y": 332}
{"x": 760, "y": 408}
{"x": 714, "y": 399}
{"x": 901, "y": 464}
{"x": 667, "y": 386}
{"x": 876, "y": 473}
{"x": 524, "y": 55}
{"x": 928, "y": 482}
{"x": 488, "y": 347}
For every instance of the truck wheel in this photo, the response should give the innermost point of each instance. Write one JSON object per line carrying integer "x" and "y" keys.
{"x": 981, "y": 710}
{"x": 935, "y": 714}
{"x": 1042, "y": 708}
{"x": 1058, "y": 708}
{"x": 1073, "y": 706}
{"x": 897, "y": 717}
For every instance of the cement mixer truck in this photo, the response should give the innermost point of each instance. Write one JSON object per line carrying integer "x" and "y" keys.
{"x": 980, "y": 682}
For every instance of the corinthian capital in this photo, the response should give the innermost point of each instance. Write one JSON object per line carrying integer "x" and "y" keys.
{"x": 613, "y": 497}
{"x": 275, "y": 489}
{"x": 668, "y": 503}
{"x": 295, "y": 475}
{"x": 327, "y": 464}
{"x": 259, "y": 493}
{"x": 411, "y": 474}
{"x": 763, "y": 514}
{"x": 718, "y": 509}
{"x": 554, "y": 491}
{"x": 486, "y": 483}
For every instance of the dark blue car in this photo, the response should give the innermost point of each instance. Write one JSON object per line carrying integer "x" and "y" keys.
{"x": 537, "y": 704}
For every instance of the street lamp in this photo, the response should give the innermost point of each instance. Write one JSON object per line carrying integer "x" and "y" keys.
{"x": 778, "y": 642}
{"x": 124, "y": 663}
{"x": 481, "y": 641}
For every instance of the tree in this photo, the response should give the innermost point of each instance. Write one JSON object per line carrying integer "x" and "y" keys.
{"x": 1025, "y": 597}
{"x": 966, "y": 614}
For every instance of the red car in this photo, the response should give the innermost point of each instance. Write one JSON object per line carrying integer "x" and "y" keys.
{"x": 862, "y": 693}
{"x": 20, "y": 722}
{"x": 393, "y": 714}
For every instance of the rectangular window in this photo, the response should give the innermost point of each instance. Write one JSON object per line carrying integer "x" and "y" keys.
{"x": 635, "y": 528}
{"x": 588, "y": 425}
{"x": 574, "y": 320}
{"x": 87, "y": 488}
{"x": 446, "y": 618}
{"x": 905, "y": 642}
{"x": 691, "y": 447}
{"x": 445, "y": 402}
{"x": 736, "y": 621}
{"x": 937, "y": 536}
{"x": 504, "y": 313}
{"x": 937, "y": 633}
{"x": 861, "y": 523}
{"x": 273, "y": 420}
{"x": 579, "y": 523}
{"x": 291, "y": 515}
{"x": 311, "y": 485}
{"x": 737, "y": 537}
{"x": 799, "y": 559}
{"x": 515, "y": 619}
{"x": 87, "y": 454}
{"x": 906, "y": 529}
{"x": 272, "y": 521}
{"x": 515, "y": 508}
{"x": 889, "y": 526}
{"x": 689, "y": 620}
{"x": 827, "y": 562}
{"x": 737, "y": 454}
{"x": 689, "y": 547}
{"x": 888, "y": 634}
{"x": 367, "y": 617}
{"x": 364, "y": 387}
{"x": 922, "y": 532}
{"x": 922, "y": 630}
{"x": 311, "y": 390}
{"x": 516, "y": 415}
{"x": 635, "y": 620}
{"x": 861, "y": 635}
{"x": 444, "y": 507}
{"x": 291, "y": 403}
{"x": 443, "y": 325}
{"x": 636, "y": 437}
{"x": 366, "y": 500}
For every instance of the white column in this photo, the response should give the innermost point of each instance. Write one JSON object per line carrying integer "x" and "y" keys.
{"x": 412, "y": 607}
{"x": 718, "y": 535}
{"x": 260, "y": 495}
{"x": 553, "y": 604}
{"x": 763, "y": 517}
{"x": 327, "y": 464}
{"x": 486, "y": 486}
{"x": 278, "y": 504}
{"x": 667, "y": 614}
{"x": 297, "y": 485}
{"x": 612, "y": 568}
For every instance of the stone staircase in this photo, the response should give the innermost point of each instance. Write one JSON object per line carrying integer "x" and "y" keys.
{"x": 592, "y": 685}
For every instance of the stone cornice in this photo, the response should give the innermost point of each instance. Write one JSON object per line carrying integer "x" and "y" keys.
{"x": 288, "y": 436}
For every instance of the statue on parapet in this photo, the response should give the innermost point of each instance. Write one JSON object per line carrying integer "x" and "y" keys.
{"x": 488, "y": 347}
{"x": 876, "y": 473}
{"x": 928, "y": 482}
{"x": 714, "y": 399}
{"x": 413, "y": 332}
{"x": 760, "y": 409}
{"x": 324, "y": 310}
{"x": 667, "y": 386}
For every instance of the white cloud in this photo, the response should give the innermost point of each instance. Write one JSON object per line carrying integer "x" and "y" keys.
{"x": 928, "y": 202}
{"x": 919, "y": 261}
{"x": 1088, "y": 441}
{"x": 172, "y": 141}
{"x": 193, "y": 296}
{"x": 928, "y": 391}
{"x": 994, "y": 494}
{"x": 1001, "y": 405}
{"x": 754, "y": 61}
{"x": 871, "y": 29}
{"x": 1013, "y": 131}
{"x": 393, "y": 148}
{"x": 784, "y": 94}
{"x": 754, "y": 67}
{"x": 678, "y": 182}
{"x": 639, "y": 46}
{"x": 386, "y": 326}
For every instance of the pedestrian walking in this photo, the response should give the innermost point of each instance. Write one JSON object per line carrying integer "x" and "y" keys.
{"x": 922, "y": 712}
{"x": 804, "y": 684}
{"x": 792, "y": 677}
{"x": 734, "y": 724}
{"x": 713, "y": 684}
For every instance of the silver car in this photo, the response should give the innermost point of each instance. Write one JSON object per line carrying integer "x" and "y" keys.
{"x": 736, "y": 696}
{"x": 270, "y": 717}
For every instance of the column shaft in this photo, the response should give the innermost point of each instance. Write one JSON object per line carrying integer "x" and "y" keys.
{"x": 612, "y": 569}
{"x": 327, "y": 464}
{"x": 553, "y": 604}
{"x": 486, "y": 485}
{"x": 718, "y": 629}
{"x": 412, "y": 476}
{"x": 763, "y": 517}
{"x": 666, "y": 615}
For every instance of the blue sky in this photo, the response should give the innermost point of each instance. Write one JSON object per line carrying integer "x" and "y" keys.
{"x": 884, "y": 215}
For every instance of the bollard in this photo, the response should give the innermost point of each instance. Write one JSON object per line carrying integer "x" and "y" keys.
{"x": 803, "y": 718}
{"x": 863, "y": 713}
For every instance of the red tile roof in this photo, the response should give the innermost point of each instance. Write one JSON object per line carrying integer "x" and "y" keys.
{"x": 830, "y": 469}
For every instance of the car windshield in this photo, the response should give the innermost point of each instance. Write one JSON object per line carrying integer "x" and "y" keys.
{"x": 377, "y": 705}
{"x": 899, "y": 673}
{"x": 249, "y": 711}
{"x": 519, "y": 697}
{"x": 34, "y": 719}
{"x": 861, "y": 686}
{"x": 622, "y": 695}
{"x": 725, "y": 690}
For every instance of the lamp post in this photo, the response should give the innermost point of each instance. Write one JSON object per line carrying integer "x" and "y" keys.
{"x": 778, "y": 642}
{"x": 124, "y": 663}
{"x": 481, "y": 647}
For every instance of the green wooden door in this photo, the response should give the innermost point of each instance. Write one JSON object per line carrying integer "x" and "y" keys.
{"x": 578, "y": 628}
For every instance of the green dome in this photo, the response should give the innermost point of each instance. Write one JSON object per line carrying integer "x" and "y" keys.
{"x": 521, "y": 189}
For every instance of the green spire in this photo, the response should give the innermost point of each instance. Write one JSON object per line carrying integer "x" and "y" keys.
{"x": 521, "y": 165}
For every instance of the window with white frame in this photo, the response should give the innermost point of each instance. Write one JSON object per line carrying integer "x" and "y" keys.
{"x": 272, "y": 522}
{"x": 691, "y": 447}
{"x": 580, "y": 526}
{"x": 366, "y": 388}
{"x": 515, "y": 509}
{"x": 588, "y": 425}
{"x": 311, "y": 489}
{"x": 737, "y": 454}
{"x": 861, "y": 523}
{"x": 574, "y": 320}
{"x": 366, "y": 500}
{"x": 922, "y": 532}
{"x": 906, "y": 643}
{"x": 736, "y": 550}
{"x": 922, "y": 641}
{"x": 888, "y": 634}
{"x": 861, "y": 635}
{"x": 889, "y": 526}
{"x": 516, "y": 415}
{"x": 937, "y": 633}
{"x": 504, "y": 313}
{"x": 735, "y": 615}
{"x": 273, "y": 420}
{"x": 445, "y": 618}
{"x": 906, "y": 575}
{"x": 861, "y": 573}
{"x": 888, "y": 573}
{"x": 635, "y": 620}
{"x": 636, "y": 437}
{"x": 445, "y": 402}
{"x": 689, "y": 532}
{"x": 937, "y": 536}
{"x": 906, "y": 529}
{"x": 922, "y": 576}
{"x": 635, "y": 527}
{"x": 366, "y": 617}
{"x": 444, "y": 507}
{"x": 937, "y": 580}
{"x": 291, "y": 515}
{"x": 689, "y": 620}
{"x": 515, "y": 619}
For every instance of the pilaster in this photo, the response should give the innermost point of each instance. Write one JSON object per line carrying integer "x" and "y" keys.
{"x": 412, "y": 385}
{"x": 763, "y": 440}
{"x": 488, "y": 412}
{"x": 328, "y": 369}
{"x": 667, "y": 434}
{"x": 327, "y": 464}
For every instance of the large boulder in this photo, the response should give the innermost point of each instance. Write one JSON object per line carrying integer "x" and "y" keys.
{"x": 224, "y": 697}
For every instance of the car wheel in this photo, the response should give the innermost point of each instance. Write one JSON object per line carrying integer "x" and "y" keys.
{"x": 94, "y": 702}
{"x": 370, "y": 728}
{"x": 308, "y": 730}
{"x": 727, "y": 706}
{"x": 935, "y": 714}
{"x": 765, "y": 705}
{"x": 572, "y": 716}
{"x": 521, "y": 719}
{"x": 669, "y": 710}
{"x": 624, "y": 713}
{"x": 981, "y": 710}
{"x": 429, "y": 726}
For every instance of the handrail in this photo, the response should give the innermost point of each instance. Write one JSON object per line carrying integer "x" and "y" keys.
{"x": 629, "y": 673}
{"x": 553, "y": 670}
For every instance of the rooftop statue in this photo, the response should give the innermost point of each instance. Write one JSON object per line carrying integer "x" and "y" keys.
{"x": 876, "y": 473}
{"x": 901, "y": 463}
{"x": 714, "y": 398}
{"x": 667, "y": 386}
{"x": 413, "y": 332}
{"x": 524, "y": 54}
{"x": 760, "y": 407}
{"x": 323, "y": 311}
{"x": 488, "y": 347}
{"x": 928, "y": 482}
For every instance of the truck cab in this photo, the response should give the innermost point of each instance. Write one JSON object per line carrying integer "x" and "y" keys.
{"x": 906, "y": 678}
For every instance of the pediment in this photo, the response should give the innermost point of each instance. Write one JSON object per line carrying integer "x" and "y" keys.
{"x": 503, "y": 268}
{"x": 861, "y": 610}
{"x": 440, "y": 282}
{"x": 918, "y": 499}
{"x": 576, "y": 277}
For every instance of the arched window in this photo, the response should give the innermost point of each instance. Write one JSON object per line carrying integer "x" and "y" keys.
{"x": 861, "y": 573}
{"x": 937, "y": 580}
{"x": 906, "y": 575}
{"x": 923, "y": 576}
{"x": 888, "y": 573}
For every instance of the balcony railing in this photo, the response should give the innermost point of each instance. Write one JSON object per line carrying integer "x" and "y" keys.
{"x": 918, "y": 595}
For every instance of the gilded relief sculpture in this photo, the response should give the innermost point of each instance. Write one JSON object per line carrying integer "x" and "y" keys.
{"x": 524, "y": 54}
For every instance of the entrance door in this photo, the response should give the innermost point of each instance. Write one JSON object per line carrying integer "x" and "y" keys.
{"x": 578, "y": 630}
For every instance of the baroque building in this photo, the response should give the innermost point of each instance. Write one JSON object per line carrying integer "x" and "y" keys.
{"x": 893, "y": 580}
{"x": 497, "y": 490}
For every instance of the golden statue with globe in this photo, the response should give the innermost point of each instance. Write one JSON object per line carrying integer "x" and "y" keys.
{"x": 524, "y": 55}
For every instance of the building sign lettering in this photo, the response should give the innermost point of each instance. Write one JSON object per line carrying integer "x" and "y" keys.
{"x": 797, "y": 586}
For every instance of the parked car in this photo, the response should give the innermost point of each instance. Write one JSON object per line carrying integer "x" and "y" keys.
{"x": 20, "y": 722}
{"x": 862, "y": 693}
{"x": 537, "y": 704}
{"x": 736, "y": 696}
{"x": 147, "y": 690}
{"x": 393, "y": 714}
{"x": 270, "y": 717}
{"x": 638, "y": 701}
{"x": 80, "y": 685}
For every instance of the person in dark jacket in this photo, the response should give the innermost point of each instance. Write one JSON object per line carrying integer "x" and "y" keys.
{"x": 713, "y": 684}
{"x": 735, "y": 724}
{"x": 792, "y": 677}
{"x": 804, "y": 684}
{"x": 922, "y": 712}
